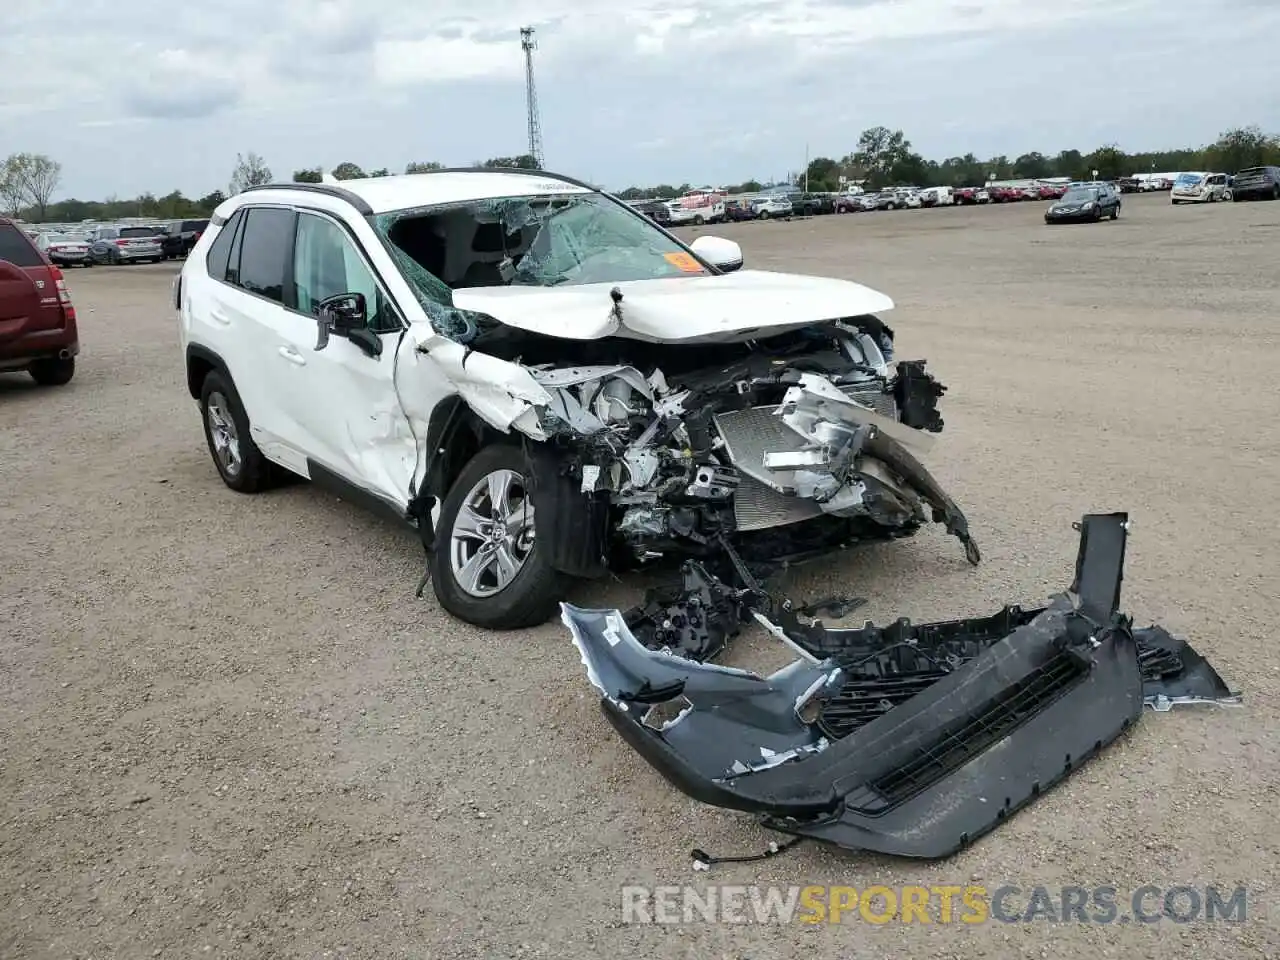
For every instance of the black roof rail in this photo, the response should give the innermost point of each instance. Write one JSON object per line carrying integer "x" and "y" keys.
{"x": 328, "y": 189}
{"x": 525, "y": 171}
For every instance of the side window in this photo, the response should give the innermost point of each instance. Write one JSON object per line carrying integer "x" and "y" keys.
{"x": 219, "y": 255}
{"x": 266, "y": 251}
{"x": 327, "y": 263}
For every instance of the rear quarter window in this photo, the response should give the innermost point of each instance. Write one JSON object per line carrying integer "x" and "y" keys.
{"x": 266, "y": 251}
{"x": 17, "y": 249}
{"x": 219, "y": 255}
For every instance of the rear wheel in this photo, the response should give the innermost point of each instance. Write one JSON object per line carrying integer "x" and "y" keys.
{"x": 1115, "y": 212}
{"x": 486, "y": 567}
{"x": 53, "y": 372}
{"x": 240, "y": 463}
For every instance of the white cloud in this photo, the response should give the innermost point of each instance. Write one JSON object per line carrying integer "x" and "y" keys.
{"x": 683, "y": 90}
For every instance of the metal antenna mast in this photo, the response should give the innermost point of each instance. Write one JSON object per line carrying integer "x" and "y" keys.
{"x": 528, "y": 44}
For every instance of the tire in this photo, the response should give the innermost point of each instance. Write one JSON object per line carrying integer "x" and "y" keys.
{"x": 698, "y": 221}
{"x": 1115, "y": 213}
{"x": 53, "y": 372}
{"x": 764, "y": 214}
{"x": 237, "y": 458}
{"x": 531, "y": 596}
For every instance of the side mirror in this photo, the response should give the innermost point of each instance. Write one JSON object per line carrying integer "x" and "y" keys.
{"x": 721, "y": 253}
{"x": 341, "y": 314}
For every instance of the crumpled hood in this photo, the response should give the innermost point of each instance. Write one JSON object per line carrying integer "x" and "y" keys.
{"x": 710, "y": 308}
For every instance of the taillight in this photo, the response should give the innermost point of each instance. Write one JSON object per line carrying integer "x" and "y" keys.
{"x": 122, "y": 242}
{"x": 64, "y": 295}
{"x": 196, "y": 238}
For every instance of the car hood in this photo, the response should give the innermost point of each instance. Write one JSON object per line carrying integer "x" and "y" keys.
{"x": 723, "y": 308}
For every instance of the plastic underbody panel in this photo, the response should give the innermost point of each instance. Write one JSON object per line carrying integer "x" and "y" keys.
{"x": 911, "y": 740}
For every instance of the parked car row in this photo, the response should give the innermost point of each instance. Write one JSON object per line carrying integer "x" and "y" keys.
{"x": 116, "y": 244}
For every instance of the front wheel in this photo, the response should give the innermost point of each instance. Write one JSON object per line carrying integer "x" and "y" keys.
{"x": 699, "y": 221}
{"x": 1115, "y": 213}
{"x": 486, "y": 566}
{"x": 764, "y": 214}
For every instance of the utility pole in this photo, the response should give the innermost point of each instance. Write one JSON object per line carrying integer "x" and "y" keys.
{"x": 529, "y": 44}
{"x": 806, "y": 168}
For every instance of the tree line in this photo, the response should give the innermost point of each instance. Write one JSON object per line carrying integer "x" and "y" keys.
{"x": 885, "y": 157}
{"x": 882, "y": 157}
{"x": 28, "y": 182}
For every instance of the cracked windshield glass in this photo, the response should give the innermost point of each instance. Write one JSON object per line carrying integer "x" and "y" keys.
{"x": 537, "y": 241}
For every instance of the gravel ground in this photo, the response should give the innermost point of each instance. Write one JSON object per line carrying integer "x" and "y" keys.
{"x": 227, "y": 728}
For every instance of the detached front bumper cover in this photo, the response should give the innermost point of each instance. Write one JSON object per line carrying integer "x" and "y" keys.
{"x": 911, "y": 740}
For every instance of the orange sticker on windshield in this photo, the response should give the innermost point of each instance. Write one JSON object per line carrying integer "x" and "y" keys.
{"x": 684, "y": 262}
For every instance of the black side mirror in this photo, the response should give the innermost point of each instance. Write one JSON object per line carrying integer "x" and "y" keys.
{"x": 347, "y": 315}
{"x": 340, "y": 314}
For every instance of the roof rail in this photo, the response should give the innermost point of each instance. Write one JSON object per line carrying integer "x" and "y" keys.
{"x": 326, "y": 188}
{"x": 525, "y": 171}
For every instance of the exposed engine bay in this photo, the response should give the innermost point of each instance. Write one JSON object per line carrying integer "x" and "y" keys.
{"x": 912, "y": 740}
{"x": 792, "y": 445}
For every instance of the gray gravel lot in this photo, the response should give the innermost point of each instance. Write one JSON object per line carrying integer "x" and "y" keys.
{"x": 227, "y": 728}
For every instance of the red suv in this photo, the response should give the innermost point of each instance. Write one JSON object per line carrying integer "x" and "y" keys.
{"x": 37, "y": 321}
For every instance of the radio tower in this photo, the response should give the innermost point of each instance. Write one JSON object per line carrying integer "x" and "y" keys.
{"x": 528, "y": 44}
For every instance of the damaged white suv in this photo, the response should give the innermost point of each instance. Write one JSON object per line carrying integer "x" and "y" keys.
{"x": 463, "y": 346}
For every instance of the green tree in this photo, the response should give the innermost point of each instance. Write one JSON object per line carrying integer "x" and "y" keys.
{"x": 210, "y": 201}
{"x": 29, "y": 180}
{"x": 823, "y": 174}
{"x": 1033, "y": 166}
{"x": 419, "y": 167}
{"x": 310, "y": 175}
{"x": 1241, "y": 148}
{"x": 1110, "y": 162}
{"x": 879, "y": 150}
{"x": 348, "y": 171}
{"x": 250, "y": 171}
{"x": 522, "y": 162}
{"x": 380, "y": 172}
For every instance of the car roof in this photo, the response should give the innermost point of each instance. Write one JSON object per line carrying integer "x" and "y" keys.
{"x": 406, "y": 191}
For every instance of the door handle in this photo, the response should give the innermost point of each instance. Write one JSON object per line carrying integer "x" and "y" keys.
{"x": 218, "y": 317}
{"x": 292, "y": 355}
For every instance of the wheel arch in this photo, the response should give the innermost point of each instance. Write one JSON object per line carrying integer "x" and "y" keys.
{"x": 201, "y": 361}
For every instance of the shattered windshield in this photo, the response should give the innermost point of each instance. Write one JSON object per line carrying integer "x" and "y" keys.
{"x": 538, "y": 241}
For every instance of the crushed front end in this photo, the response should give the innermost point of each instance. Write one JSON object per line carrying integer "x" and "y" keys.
{"x": 911, "y": 740}
{"x": 788, "y": 447}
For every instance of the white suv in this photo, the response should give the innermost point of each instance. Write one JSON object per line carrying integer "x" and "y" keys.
{"x": 458, "y": 347}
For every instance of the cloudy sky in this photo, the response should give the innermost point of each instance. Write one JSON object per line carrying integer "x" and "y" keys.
{"x": 158, "y": 94}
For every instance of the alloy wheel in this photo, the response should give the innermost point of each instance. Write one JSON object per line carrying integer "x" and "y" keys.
{"x": 223, "y": 433}
{"x": 492, "y": 535}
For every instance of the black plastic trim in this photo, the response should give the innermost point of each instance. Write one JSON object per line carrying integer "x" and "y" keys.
{"x": 328, "y": 189}
{"x": 339, "y": 486}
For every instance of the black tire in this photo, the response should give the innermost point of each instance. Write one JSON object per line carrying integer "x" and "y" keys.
{"x": 53, "y": 372}
{"x": 254, "y": 472}
{"x": 764, "y": 214}
{"x": 698, "y": 220}
{"x": 1115, "y": 213}
{"x": 533, "y": 595}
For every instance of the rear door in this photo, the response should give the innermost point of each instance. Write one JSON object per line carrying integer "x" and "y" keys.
{"x": 248, "y": 310}
{"x": 28, "y": 293}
